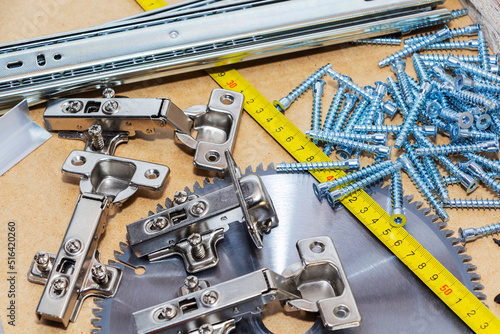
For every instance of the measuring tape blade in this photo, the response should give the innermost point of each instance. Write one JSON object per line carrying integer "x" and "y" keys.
{"x": 427, "y": 268}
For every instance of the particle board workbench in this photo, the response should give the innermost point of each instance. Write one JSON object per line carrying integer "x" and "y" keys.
{"x": 36, "y": 195}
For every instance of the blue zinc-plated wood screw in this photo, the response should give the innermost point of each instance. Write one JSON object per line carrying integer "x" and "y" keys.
{"x": 285, "y": 102}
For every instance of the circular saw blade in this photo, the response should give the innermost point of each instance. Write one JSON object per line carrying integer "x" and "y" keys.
{"x": 389, "y": 296}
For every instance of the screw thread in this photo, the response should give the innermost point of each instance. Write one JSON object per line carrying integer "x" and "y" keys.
{"x": 467, "y": 45}
{"x": 337, "y": 139}
{"x": 349, "y": 102}
{"x": 436, "y": 37}
{"x": 389, "y": 128}
{"x": 436, "y": 177}
{"x": 371, "y": 112}
{"x": 490, "y": 182}
{"x": 304, "y": 167}
{"x": 404, "y": 84}
{"x": 477, "y": 135}
{"x": 495, "y": 122}
{"x": 370, "y": 179}
{"x": 334, "y": 106}
{"x": 489, "y": 230}
{"x": 453, "y": 149}
{"x": 420, "y": 68}
{"x": 410, "y": 152}
{"x": 486, "y": 87}
{"x": 476, "y": 203}
{"x": 351, "y": 85}
{"x": 409, "y": 121}
{"x": 473, "y": 98}
{"x": 425, "y": 191}
{"x": 456, "y": 32}
{"x": 396, "y": 190}
{"x": 483, "y": 50}
{"x": 309, "y": 82}
{"x": 316, "y": 114}
{"x": 322, "y": 188}
{"x": 378, "y": 41}
{"x": 455, "y": 14}
{"x": 442, "y": 58}
{"x": 397, "y": 95}
{"x": 356, "y": 115}
{"x": 448, "y": 180}
{"x": 474, "y": 70}
{"x": 449, "y": 114}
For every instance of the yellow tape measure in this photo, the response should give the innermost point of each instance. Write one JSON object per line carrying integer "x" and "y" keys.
{"x": 450, "y": 290}
{"x": 151, "y": 4}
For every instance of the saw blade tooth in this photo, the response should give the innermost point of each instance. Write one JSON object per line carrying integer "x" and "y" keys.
{"x": 112, "y": 262}
{"x": 159, "y": 208}
{"x": 123, "y": 246}
{"x": 260, "y": 167}
{"x": 196, "y": 185}
{"x": 480, "y": 295}
{"x": 188, "y": 190}
{"x": 117, "y": 254}
{"x": 470, "y": 268}
{"x": 442, "y": 225}
{"x": 478, "y": 286}
{"x": 475, "y": 277}
{"x": 270, "y": 167}
{"x": 168, "y": 203}
{"x": 435, "y": 218}
{"x": 409, "y": 198}
{"x": 206, "y": 182}
{"x": 150, "y": 213}
{"x": 95, "y": 331}
{"x": 98, "y": 301}
{"x": 466, "y": 258}
{"x": 455, "y": 241}
{"x": 96, "y": 312}
{"x": 461, "y": 249}
{"x": 248, "y": 170}
{"x": 426, "y": 211}
{"x": 448, "y": 233}
{"x": 418, "y": 204}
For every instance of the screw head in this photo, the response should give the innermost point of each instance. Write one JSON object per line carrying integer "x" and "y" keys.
{"x": 72, "y": 106}
{"x": 167, "y": 312}
{"x": 95, "y": 130}
{"x": 198, "y": 208}
{"x": 210, "y": 298}
{"x": 180, "y": 197}
{"x": 99, "y": 273}
{"x": 194, "y": 239}
{"x": 42, "y": 261}
{"x": 110, "y": 107}
{"x": 73, "y": 246}
{"x": 191, "y": 282}
{"x": 159, "y": 223}
{"x": 108, "y": 93}
{"x": 206, "y": 329}
{"x": 60, "y": 284}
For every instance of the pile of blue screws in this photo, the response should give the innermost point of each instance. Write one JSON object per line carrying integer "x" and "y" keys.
{"x": 457, "y": 96}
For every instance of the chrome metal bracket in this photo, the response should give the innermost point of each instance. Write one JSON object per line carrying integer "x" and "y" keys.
{"x": 215, "y": 126}
{"x": 192, "y": 227}
{"x": 317, "y": 284}
{"x": 75, "y": 272}
{"x": 104, "y": 123}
